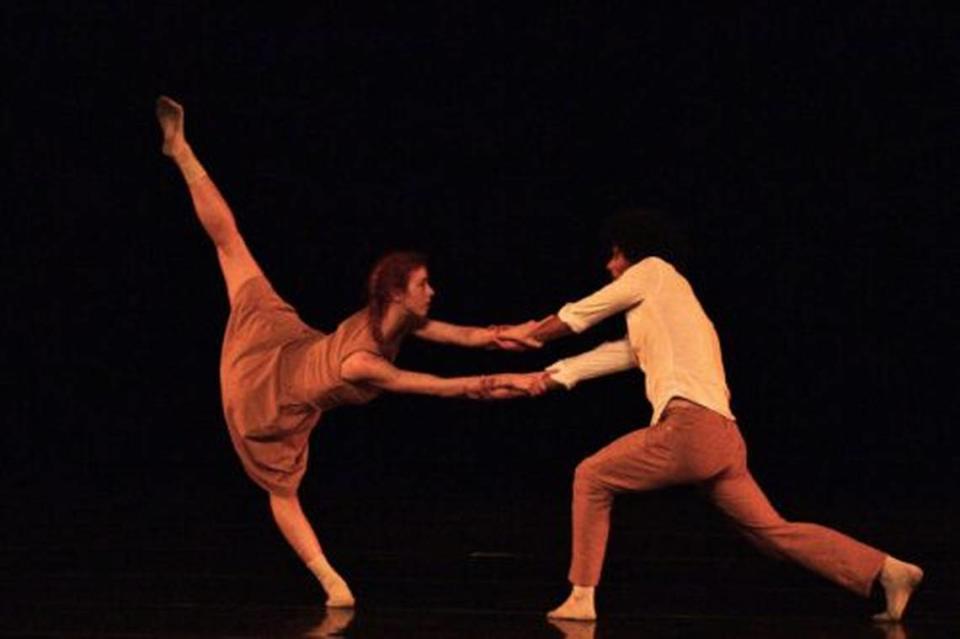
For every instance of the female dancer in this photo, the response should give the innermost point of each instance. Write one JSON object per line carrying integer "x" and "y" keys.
{"x": 278, "y": 375}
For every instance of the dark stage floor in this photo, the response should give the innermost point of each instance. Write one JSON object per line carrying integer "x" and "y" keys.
{"x": 426, "y": 567}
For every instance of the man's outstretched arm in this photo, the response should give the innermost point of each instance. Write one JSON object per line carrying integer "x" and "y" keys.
{"x": 534, "y": 334}
{"x": 605, "y": 359}
{"x": 550, "y": 328}
{"x": 620, "y": 295}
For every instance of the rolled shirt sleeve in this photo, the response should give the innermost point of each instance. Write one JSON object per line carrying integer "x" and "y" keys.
{"x": 624, "y": 293}
{"x": 606, "y": 359}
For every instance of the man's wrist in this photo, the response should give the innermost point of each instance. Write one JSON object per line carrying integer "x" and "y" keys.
{"x": 550, "y": 328}
{"x": 553, "y": 384}
{"x": 559, "y": 376}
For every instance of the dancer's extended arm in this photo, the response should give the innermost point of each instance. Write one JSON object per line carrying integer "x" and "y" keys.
{"x": 368, "y": 368}
{"x": 620, "y": 295}
{"x": 478, "y": 337}
{"x": 606, "y": 359}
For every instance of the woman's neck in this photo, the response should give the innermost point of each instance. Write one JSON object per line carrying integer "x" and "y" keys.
{"x": 396, "y": 323}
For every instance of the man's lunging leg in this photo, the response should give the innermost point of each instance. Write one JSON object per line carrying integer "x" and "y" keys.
{"x": 841, "y": 559}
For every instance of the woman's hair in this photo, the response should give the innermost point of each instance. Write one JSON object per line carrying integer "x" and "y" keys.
{"x": 641, "y": 233}
{"x": 389, "y": 275}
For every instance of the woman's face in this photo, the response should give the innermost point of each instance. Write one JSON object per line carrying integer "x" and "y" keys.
{"x": 418, "y": 294}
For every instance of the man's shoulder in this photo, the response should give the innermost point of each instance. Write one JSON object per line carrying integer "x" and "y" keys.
{"x": 647, "y": 266}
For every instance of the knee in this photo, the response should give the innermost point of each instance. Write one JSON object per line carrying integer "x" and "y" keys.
{"x": 283, "y": 506}
{"x": 586, "y": 475}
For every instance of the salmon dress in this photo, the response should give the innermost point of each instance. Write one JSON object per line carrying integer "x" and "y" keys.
{"x": 278, "y": 376}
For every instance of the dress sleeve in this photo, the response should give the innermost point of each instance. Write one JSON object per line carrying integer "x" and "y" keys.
{"x": 606, "y": 359}
{"x": 630, "y": 289}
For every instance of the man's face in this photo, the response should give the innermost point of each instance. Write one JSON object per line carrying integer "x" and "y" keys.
{"x": 416, "y": 298}
{"x": 618, "y": 263}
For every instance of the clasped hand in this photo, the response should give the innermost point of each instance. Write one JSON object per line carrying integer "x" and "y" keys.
{"x": 511, "y": 385}
{"x": 516, "y": 337}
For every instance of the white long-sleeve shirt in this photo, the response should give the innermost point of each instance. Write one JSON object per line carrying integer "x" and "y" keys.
{"x": 668, "y": 336}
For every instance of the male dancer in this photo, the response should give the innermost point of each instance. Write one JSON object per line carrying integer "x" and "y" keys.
{"x": 693, "y": 436}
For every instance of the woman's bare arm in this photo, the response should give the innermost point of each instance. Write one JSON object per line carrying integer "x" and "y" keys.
{"x": 477, "y": 337}
{"x": 368, "y": 368}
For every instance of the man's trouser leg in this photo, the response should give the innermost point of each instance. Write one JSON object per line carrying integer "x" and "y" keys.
{"x": 687, "y": 445}
{"x": 836, "y": 556}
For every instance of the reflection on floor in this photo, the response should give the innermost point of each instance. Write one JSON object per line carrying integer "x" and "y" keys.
{"x": 430, "y": 569}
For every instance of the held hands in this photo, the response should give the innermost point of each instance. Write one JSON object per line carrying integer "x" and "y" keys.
{"x": 516, "y": 337}
{"x": 511, "y": 385}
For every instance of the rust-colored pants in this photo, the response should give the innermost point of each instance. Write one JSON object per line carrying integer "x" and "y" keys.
{"x": 691, "y": 444}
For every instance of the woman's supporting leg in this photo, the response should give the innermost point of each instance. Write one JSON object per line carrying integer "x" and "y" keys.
{"x": 212, "y": 210}
{"x": 299, "y": 533}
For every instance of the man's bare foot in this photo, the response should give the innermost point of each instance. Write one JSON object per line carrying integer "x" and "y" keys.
{"x": 338, "y": 594}
{"x": 899, "y": 579}
{"x": 578, "y": 606}
{"x": 170, "y": 116}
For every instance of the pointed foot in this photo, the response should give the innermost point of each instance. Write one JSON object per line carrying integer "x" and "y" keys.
{"x": 170, "y": 116}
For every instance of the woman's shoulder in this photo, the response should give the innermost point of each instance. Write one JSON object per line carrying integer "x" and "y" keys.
{"x": 358, "y": 321}
{"x": 356, "y": 333}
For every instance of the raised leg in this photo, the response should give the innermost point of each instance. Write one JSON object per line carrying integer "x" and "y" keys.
{"x": 299, "y": 534}
{"x": 236, "y": 262}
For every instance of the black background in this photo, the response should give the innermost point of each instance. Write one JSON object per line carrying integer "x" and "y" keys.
{"x": 811, "y": 152}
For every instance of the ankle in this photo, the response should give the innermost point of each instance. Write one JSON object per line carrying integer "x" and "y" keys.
{"x": 320, "y": 567}
{"x": 892, "y": 568}
{"x": 582, "y": 593}
{"x": 188, "y": 164}
{"x": 181, "y": 152}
